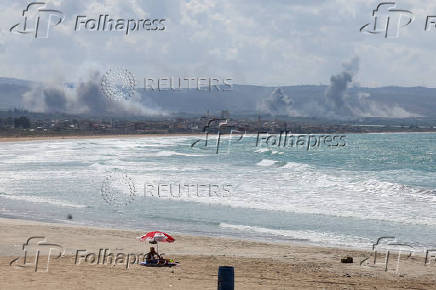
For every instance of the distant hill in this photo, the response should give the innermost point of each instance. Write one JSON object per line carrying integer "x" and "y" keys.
{"x": 306, "y": 100}
{"x": 245, "y": 98}
{"x": 11, "y": 91}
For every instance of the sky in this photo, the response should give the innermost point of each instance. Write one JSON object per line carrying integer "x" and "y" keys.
{"x": 271, "y": 43}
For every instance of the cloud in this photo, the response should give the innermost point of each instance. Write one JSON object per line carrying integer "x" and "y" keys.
{"x": 282, "y": 43}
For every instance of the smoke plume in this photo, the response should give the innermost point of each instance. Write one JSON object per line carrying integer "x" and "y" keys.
{"x": 278, "y": 103}
{"x": 85, "y": 98}
{"x": 342, "y": 100}
{"x": 336, "y": 101}
{"x": 341, "y": 103}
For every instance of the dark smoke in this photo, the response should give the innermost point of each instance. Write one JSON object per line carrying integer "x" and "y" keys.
{"x": 342, "y": 100}
{"x": 341, "y": 103}
{"x": 86, "y": 98}
{"x": 336, "y": 100}
{"x": 54, "y": 99}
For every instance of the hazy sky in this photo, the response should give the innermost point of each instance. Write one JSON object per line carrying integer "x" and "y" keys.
{"x": 279, "y": 42}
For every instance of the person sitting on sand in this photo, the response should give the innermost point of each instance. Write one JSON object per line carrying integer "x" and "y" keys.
{"x": 152, "y": 257}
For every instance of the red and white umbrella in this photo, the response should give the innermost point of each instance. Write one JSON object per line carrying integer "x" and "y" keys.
{"x": 157, "y": 236}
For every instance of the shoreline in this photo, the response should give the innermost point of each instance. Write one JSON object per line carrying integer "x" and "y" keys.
{"x": 287, "y": 242}
{"x": 79, "y": 137}
{"x": 53, "y": 224}
{"x": 258, "y": 265}
{"x": 132, "y": 136}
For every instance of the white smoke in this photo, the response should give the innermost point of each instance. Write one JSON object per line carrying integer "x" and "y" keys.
{"x": 278, "y": 103}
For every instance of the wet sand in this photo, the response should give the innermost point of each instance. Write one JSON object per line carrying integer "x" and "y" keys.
{"x": 67, "y": 137}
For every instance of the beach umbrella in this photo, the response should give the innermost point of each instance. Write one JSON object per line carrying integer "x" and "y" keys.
{"x": 156, "y": 237}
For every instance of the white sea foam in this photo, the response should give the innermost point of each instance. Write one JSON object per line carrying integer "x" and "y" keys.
{"x": 266, "y": 162}
{"x": 262, "y": 150}
{"x": 302, "y": 185}
{"x": 173, "y": 153}
{"x": 311, "y": 236}
{"x": 42, "y": 199}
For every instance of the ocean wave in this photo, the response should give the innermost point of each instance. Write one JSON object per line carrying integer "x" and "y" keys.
{"x": 173, "y": 153}
{"x": 99, "y": 166}
{"x": 356, "y": 184}
{"x": 310, "y": 236}
{"x": 266, "y": 162}
{"x": 42, "y": 199}
{"x": 343, "y": 195}
{"x": 296, "y": 165}
{"x": 273, "y": 152}
{"x": 261, "y": 150}
{"x": 390, "y": 188}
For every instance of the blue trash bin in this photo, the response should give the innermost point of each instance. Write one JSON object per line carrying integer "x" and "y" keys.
{"x": 226, "y": 278}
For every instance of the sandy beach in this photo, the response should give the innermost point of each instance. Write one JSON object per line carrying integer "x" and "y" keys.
{"x": 75, "y": 137}
{"x": 257, "y": 265}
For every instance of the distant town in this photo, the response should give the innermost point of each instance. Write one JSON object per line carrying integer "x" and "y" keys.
{"x": 18, "y": 123}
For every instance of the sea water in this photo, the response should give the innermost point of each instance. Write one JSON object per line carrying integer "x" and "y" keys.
{"x": 376, "y": 185}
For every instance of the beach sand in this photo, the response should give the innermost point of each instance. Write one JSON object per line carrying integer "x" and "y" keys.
{"x": 73, "y": 137}
{"x": 257, "y": 265}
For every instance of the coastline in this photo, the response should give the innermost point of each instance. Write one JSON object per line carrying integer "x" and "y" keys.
{"x": 258, "y": 265}
{"x": 129, "y": 136}
{"x": 77, "y": 137}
